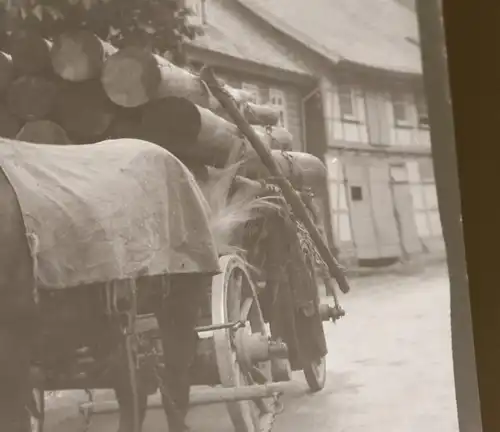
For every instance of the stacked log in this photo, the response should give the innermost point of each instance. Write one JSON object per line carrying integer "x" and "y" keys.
{"x": 79, "y": 89}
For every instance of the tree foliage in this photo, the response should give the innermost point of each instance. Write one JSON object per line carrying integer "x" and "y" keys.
{"x": 160, "y": 25}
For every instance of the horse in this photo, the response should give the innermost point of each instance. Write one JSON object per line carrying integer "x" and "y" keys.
{"x": 175, "y": 298}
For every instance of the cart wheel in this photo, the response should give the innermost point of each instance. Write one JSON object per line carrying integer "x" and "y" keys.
{"x": 234, "y": 298}
{"x": 39, "y": 404}
{"x": 315, "y": 374}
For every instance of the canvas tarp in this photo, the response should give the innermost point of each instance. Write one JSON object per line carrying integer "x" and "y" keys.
{"x": 114, "y": 210}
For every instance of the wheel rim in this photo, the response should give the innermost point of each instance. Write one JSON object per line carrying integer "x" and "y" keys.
{"x": 234, "y": 297}
{"x": 318, "y": 368}
{"x": 315, "y": 371}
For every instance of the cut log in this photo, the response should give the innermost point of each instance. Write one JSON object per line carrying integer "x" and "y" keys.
{"x": 43, "y": 132}
{"x": 264, "y": 115}
{"x": 302, "y": 170}
{"x": 126, "y": 124}
{"x": 6, "y": 71}
{"x": 32, "y": 97}
{"x": 84, "y": 111}
{"x": 276, "y": 138}
{"x": 30, "y": 52}
{"x": 149, "y": 77}
{"x": 9, "y": 124}
{"x": 79, "y": 55}
{"x": 191, "y": 131}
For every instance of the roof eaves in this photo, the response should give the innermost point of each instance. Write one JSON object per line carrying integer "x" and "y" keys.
{"x": 388, "y": 72}
{"x": 285, "y": 73}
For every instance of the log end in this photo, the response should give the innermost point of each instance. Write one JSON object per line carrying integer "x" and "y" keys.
{"x": 32, "y": 97}
{"x": 30, "y": 52}
{"x": 126, "y": 124}
{"x": 77, "y": 56}
{"x": 43, "y": 132}
{"x": 131, "y": 77}
{"x": 84, "y": 111}
{"x": 173, "y": 121}
{"x": 9, "y": 124}
{"x": 6, "y": 71}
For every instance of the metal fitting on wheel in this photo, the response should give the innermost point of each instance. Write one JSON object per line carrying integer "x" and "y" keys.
{"x": 255, "y": 348}
{"x": 332, "y": 313}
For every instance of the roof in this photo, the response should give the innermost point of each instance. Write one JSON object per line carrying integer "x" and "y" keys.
{"x": 371, "y": 33}
{"x": 228, "y": 32}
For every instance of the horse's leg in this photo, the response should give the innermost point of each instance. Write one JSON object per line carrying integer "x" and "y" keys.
{"x": 17, "y": 314}
{"x": 177, "y": 319}
{"x": 15, "y": 388}
{"x": 124, "y": 397}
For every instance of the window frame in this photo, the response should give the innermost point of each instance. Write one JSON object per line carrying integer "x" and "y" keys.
{"x": 422, "y": 112}
{"x": 345, "y": 90}
{"x": 199, "y": 8}
{"x": 399, "y": 99}
{"x": 252, "y": 88}
{"x": 275, "y": 93}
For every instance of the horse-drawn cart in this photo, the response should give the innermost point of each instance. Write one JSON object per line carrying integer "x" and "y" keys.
{"x": 263, "y": 317}
{"x": 114, "y": 229}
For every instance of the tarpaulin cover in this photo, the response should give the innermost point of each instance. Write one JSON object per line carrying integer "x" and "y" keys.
{"x": 114, "y": 210}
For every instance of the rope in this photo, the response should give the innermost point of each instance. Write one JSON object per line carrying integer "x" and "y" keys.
{"x": 34, "y": 246}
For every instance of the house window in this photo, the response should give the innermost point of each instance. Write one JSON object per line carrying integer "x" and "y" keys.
{"x": 277, "y": 98}
{"x": 356, "y": 193}
{"x": 253, "y": 90}
{"x": 423, "y": 115}
{"x": 347, "y": 103}
{"x": 401, "y": 110}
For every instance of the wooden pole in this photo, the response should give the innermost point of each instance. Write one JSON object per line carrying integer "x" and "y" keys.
{"x": 79, "y": 55}
{"x": 6, "y": 71}
{"x": 43, "y": 132}
{"x": 9, "y": 124}
{"x": 84, "y": 111}
{"x": 291, "y": 196}
{"x": 32, "y": 97}
{"x": 30, "y": 52}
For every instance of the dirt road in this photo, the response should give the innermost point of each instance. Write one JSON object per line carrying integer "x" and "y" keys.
{"x": 389, "y": 368}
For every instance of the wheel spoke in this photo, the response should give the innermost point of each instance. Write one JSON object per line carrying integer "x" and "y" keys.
{"x": 234, "y": 298}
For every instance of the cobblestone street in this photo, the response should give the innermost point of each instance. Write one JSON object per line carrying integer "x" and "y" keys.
{"x": 389, "y": 368}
